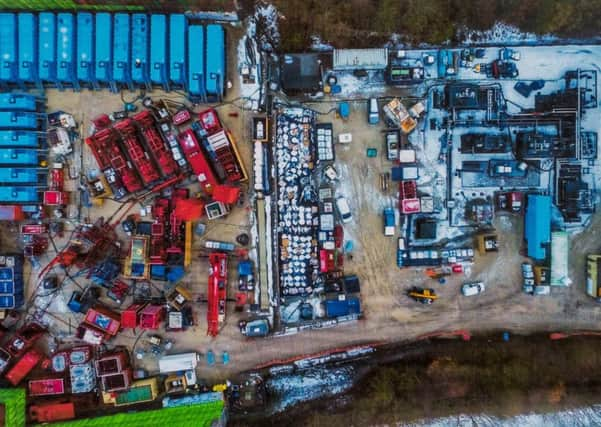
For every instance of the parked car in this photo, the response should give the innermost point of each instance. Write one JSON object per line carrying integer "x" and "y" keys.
{"x": 473, "y": 288}
{"x": 344, "y": 209}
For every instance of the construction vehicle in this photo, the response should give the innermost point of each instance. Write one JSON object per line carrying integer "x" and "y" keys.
{"x": 136, "y": 264}
{"x": 217, "y": 292}
{"x": 389, "y": 222}
{"x": 157, "y": 147}
{"x": 423, "y": 295}
{"x": 397, "y": 116}
{"x": 138, "y": 155}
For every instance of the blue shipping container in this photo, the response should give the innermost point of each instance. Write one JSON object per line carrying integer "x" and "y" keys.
{"x": 121, "y": 48}
{"x": 139, "y": 48}
{"x": 28, "y": 43}
{"x": 19, "y": 195}
{"x": 196, "y": 60}
{"x": 65, "y": 48}
{"x": 337, "y": 308}
{"x": 158, "y": 52}
{"x": 85, "y": 47}
{"x": 18, "y": 120}
{"x": 8, "y": 47}
{"x": 104, "y": 47}
{"x": 177, "y": 48}
{"x": 19, "y": 139}
{"x": 18, "y": 102}
{"x": 215, "y": 73}
{"x": 47, "y": 47}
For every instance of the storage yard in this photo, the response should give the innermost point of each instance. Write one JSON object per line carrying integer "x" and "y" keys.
{"x": 177, "y": 206}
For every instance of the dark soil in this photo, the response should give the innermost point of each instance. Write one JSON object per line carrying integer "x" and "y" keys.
{"x": 443, "y": 378}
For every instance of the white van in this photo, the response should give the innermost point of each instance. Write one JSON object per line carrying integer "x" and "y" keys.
{"x": 374, "y": 111}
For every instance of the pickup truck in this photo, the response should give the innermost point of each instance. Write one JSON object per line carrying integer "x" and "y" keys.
{"x": 389, "y": 222}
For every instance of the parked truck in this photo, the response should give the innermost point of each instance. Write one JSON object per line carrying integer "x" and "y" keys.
{"x": 254, "y": 328}
{"x": 389, "y": 222}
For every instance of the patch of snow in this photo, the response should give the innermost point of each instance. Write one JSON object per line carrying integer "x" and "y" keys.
{"x": 501, "y": 33}
{"x": 319, "y": 45}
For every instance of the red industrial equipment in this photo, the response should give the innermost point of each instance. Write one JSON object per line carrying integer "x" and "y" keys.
{"x": 181, "y": 117}
{"x": 209, "y": 120}
{"x": 98, "y": 325}
{"x": 196, "y": 159}
{"x": 131, "y": 315}
{"x": 49, "y": 412}
{"x": 168, "y": 232}
{"x": 152, "y": 316}
{"x": 139, "y": 157}
{"x": 217, "y": 292}
{"x": 55, "y": 196}
{"x": 108, "y": 155}
{"x": 224, "y": 153}
{"x": 46, "y": 387}
{"x": 23, "y": 367}
{"x": 23, "y": 339}
{"x": 157, "y": 147}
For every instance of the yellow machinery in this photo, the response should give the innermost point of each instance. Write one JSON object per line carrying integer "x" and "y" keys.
{"x": 487, "y": 243}
{"x": 425, "y": 296}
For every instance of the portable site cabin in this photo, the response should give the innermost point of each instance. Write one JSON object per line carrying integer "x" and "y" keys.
{"x": 8, "y": 48}
{"x": 158, "y": 52}
{"x": 28, "y": 55}
{"x": 177, "y": 49}
{"x": 178, "y": 362}
{"x": 85, "y": 49}
{"x": 47, "y": 47}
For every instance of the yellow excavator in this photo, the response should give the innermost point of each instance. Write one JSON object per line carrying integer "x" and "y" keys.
{"x": 423, "y": 295}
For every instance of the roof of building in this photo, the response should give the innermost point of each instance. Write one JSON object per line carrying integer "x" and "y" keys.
{"x": 355, "y": 59}
{"x": 301, "y": 72}
{"x": 537, "y": 229}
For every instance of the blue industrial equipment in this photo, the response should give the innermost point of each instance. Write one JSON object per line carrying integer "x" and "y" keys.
{"x": 47, "y": 47}
{"x": 28, "y": 43}
{"x": 122, "y": 49}
{"x": 215, "y": 54}
{"x": 18, "y": 120}
{"x": 8, "y": 48}
{"x": 196, "y": 54}
{"x": 18, "y": 102}
{"x": 19, "y": 156}
{"x": 19, "y": 138}
{"x": 65, "y": 50}
{"x": 177, "y": 49}
{"x": 104, "y": 50}
{"x": 139, "y": 49}
{"x": 19, "y": 195}
{"x": 85, "y": 49}
{"x": 158, "y": 51}
{"x": 22, "y": 175}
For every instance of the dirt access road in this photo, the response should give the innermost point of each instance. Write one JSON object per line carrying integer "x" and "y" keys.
{"x": 389, "y": 314}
